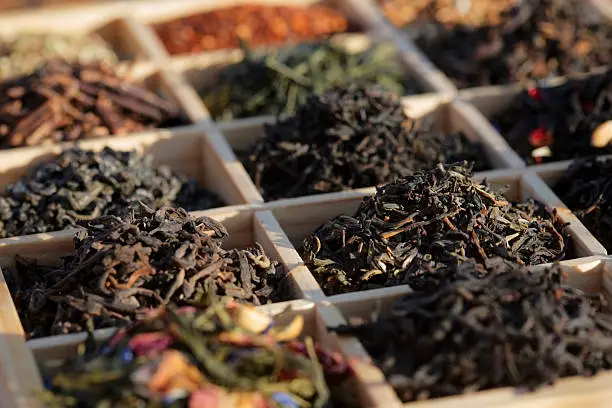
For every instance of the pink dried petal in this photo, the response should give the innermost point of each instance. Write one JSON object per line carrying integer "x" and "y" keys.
{"x": 206, "y": 397}
{"x": 147, "y": 343}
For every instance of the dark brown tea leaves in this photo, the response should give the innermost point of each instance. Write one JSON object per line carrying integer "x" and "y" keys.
{"x": 348, "y": 138}
{"x": 531, "y": 40}
{"x": 210, "y": 358}
{"x": 79, "y": 185}
{"x": 123, "y": 268}
{"x": 586, "y": 188}
{"x": 415, "y": 230}
{"x": 496, "y": 325}
{"x": 560, "y": 122}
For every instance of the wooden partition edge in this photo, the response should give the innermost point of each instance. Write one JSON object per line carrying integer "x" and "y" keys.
{"x": 37, "y": 19}
{"x": 185, "y": 95}
{"x": 19, "y": 378}
{"x": 147, "y": 39}
{"x": 604, "y": 7}
{"x": 373, "y": 390}
{"x": 303, "y": 282}
{"x": 225, "y": 158}
{"x": 424, "y": 71}
{"x": 586, "y": 244}
{"x": 466, "y": 114}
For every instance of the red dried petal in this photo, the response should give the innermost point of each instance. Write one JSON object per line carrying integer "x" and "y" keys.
{"x": 540, "y": 137}
{"x": 534, "y": 93}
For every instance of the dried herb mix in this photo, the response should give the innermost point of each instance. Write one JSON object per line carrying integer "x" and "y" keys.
{"x": 218, "y": 357}
{"x": 81, "y": 185}
{"x": 254, "y": 24}
{"x": 65, "y": 102}
{"x": 586, "y": 188}
{"x": 495, "y": 326}
{"x": 124, "y": 267}
{"x": 276, "y": 83}
{"x": 448, "y": 12}
{"x": 536, "y": 39}
{"x": 23, "y": 53}
{"x": 347, "y": 138}
{"x": 560, "y": 122}
{"x": 414, "y": 231}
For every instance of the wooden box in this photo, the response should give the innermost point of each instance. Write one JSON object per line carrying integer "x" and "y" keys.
{"x": 206, "y": 150}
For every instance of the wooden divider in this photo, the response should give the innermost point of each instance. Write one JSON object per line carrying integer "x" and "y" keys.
{"x": 205, "y": 150}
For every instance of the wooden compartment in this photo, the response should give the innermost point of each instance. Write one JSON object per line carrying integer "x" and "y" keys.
{"x": 492, "y": 101}
{"x": 298, "y": 217}
{"x": 418, "y": 60}
{"x": 185, "y": 150}
{"x": 201, "y": 71}
{"x": 245, "y": 225}
{"x": 106, "y": 20}
{"x": 592, "y": 275}
{"x": 166, "y": 11}
{"x": 26, "y": 381}
{"x": 550, "y": 173}
{"x": 429, "y": 109}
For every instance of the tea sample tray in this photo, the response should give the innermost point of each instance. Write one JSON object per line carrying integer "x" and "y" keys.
{"x": 208, "y": 151}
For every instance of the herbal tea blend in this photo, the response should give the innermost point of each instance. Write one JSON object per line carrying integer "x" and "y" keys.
{"x": 223, "y": 356}
{"x": 124, "y": 267}
{"x": 23, "y": 53}
{"x": 449, "y": 12}
{"x": 536, "y": 39}
{"x": 255, "y": 24}
{"x": 81, "y": 185}
{"x": 587, "y": 190}
{"x": 348, "y": 138}
{"x": 276, "y": 83}
{"x": 414, "y": 231}
{"x": 495, "y": 326}
{"x": 63, "y": 102}
{"x": 551, "y": 123}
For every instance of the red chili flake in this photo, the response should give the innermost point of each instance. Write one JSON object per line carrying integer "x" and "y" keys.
{"x": 540, "y": 137}
{"x": 534, "y": 93}
{"x": 587, "y": 106}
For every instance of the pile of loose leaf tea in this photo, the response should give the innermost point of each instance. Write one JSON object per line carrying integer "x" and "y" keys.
{"x": 414, "y": 231}
{"x": 586, "y": 188}
{"x": 23, "y": 53}
{"x": 255, "y": 24}
{"x": 346, "y": 138}
{"x": 124, "y": 267}
{"x": 81, "y": 185}
{"x": 495, "y": 326}
{"x": 65, "y": 102}
{"x": 276, "y": 83}
{"x": 559, "y": 122}
{"x": 223, "y": 356}
{"x": 536, "y": 39}
{"x": 449, "y": 12}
